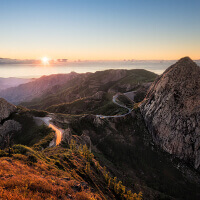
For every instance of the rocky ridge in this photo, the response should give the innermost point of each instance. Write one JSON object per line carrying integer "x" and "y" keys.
{"x": 171, "y": 111}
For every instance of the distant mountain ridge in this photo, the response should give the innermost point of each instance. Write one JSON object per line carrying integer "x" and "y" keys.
{"x": 65, "y": 88}
{"x": 28, "y": 91}
{"x": 84, "y": 86}
{"x": 6, "y": 83}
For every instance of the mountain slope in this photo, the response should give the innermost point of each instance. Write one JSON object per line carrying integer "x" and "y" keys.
{"x": 126, "y": 148}
{"x": 172, "y": 111}
{"x": 54, "y": 174}
{"x": 109, "y": 81}
{"x": 6, "y": 83}
{"x": 67, "y": 171}
{"x": 28, "y": 91}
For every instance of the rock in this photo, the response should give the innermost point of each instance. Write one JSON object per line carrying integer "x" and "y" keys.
{"x": 6, "y": 109}
{"x": 8, "y": 127}
{"x": 171, "y": 111}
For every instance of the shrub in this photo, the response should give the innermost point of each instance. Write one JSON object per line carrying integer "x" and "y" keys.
{"x": 44, "y": 143}
{"x": 3, "y": 153}
{"x": 87, "y": 168}
{"x": 20, "y": 149}
{"x": 32, "y": 159}
{"x": 59, "y": 165}
{"x": 39, "y": 113}
{"x": 24, "y": 150}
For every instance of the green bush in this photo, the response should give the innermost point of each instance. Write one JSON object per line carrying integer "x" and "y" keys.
{"x": 44, "y": 143}
{"x": 20, "y": 149}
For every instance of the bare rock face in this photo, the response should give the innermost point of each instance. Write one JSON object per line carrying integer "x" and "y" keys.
{"x": 171, "y": 111}
{"x": 6, "y": 109}
{"x": 7, "y": 126}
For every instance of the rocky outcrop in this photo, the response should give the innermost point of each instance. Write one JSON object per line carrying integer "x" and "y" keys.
{"x": 7, "y": 126}
{"x": 171, "y": 111}
{"x": 6, "y": 109}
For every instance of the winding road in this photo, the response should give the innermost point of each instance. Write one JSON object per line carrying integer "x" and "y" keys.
{"x": 117, "y": 103}
{"x": 58, "y": 131}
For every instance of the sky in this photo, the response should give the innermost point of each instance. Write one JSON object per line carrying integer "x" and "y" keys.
{"x": 100, "y": 29}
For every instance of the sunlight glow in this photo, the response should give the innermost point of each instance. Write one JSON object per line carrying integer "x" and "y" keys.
{"x": 45, "y": 60}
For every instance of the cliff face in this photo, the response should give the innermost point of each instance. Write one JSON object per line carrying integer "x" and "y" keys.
{"x": 171, "y": 111}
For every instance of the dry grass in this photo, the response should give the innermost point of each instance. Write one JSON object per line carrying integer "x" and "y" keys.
{"x": 19, "y": 181}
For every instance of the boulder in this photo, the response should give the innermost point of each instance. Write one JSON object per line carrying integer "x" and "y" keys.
{"x": 6, "y": 109}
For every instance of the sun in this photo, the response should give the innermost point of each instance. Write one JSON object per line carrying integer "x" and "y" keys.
{"x": 45, "y": 60}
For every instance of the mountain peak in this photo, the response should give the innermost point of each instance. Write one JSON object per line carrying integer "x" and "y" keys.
{"x": 183, "y": 70}
{"x": 185, "y": 60}
{"x": 172, "y": 111}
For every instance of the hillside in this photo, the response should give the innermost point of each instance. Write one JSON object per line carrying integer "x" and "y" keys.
{"x": 56, "y": 173}
{"x": 28, "y": 91}
{"x": 36, "y": 171}
{"x": 98, "y": 88}
{"x": 99, "y": 103}
{"x": 126, "y": 148}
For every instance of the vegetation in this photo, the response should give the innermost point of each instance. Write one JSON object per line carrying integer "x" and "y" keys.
{"x": 117, "y": 187}
{"x": 31, "y": 133}
{"x": 74, "y": 95}
{"x": 125, "y": 101}
{"x": 38, "y": 113}
{"x": 44, "y": 142}
{"x": 88, "y": 106}
{"x": 39, "y": 174}
{"x": 125, "y": 147}
{"x": 21, "y": 180}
